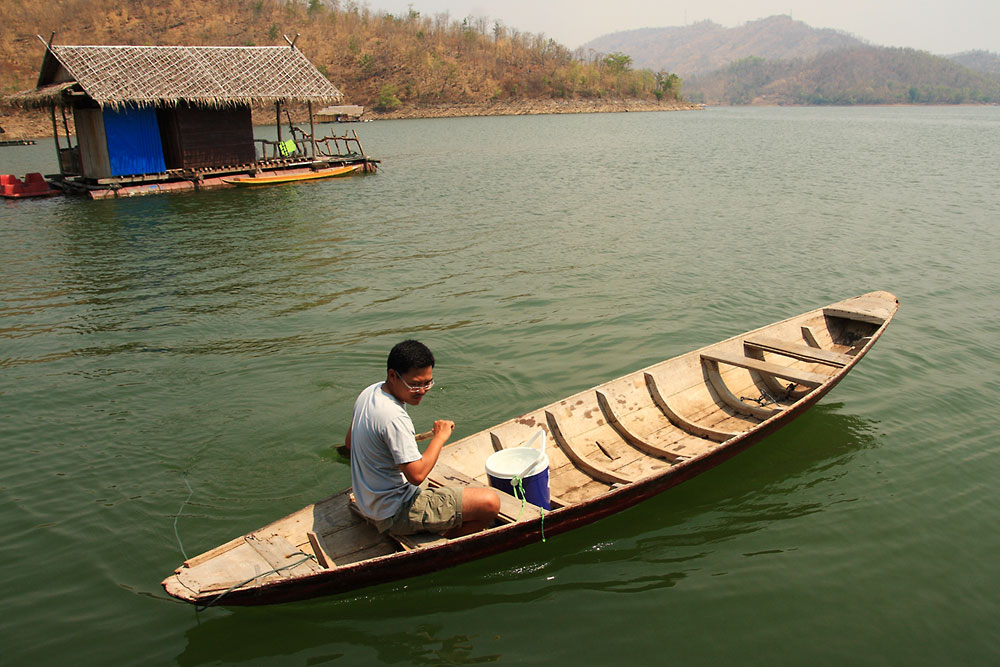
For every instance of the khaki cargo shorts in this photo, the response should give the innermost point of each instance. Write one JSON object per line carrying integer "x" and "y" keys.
{"x": 430, "y": 511}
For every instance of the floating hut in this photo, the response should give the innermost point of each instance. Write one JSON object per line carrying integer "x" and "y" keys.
{"x": 156, "y": 118}
{"x": 343, "y": 113}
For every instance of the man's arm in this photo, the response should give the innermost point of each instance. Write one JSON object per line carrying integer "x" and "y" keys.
{"x": 416, "y": 471}
{"x": 345, "y": 449}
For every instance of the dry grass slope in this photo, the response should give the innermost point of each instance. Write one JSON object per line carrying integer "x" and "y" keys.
{"x": 392, "y": 63}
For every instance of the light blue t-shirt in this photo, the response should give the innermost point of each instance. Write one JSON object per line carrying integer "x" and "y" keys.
{"x": 381, "y": 440}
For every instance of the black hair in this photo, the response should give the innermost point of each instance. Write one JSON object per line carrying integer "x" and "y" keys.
{"x": 408, "y": 355}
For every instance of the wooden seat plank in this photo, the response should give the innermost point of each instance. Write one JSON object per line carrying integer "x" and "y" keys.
{"x": 510, "y": 507}
{"x": 406, "y": 542}
{"x": 280, "y": 553}
{"x": 796, "y": 351}
{"x": 795, "y": 375}
{"x": 875, "y": 316}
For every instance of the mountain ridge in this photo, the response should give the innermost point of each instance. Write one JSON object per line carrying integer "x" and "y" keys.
{"x": 707, "y": 46}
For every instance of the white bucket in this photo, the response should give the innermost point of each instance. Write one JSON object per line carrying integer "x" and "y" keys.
{"x": 529, "y": 465}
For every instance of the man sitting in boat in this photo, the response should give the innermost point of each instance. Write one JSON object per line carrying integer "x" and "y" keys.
{"x": 387, "y": 467}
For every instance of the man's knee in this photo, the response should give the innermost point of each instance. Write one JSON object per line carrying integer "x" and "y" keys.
{"x": 482, "y": 503}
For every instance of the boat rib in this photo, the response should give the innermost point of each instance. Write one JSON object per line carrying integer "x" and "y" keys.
{"x": 729, "y": 398}
{"x": 597, "y": 471}
{"x": 629, "y": 437}
{"x": 679, "y": 421}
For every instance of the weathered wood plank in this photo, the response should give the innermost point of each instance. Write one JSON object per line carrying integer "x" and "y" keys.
{"x": 280, "y": 553}
{"x": 321, "y": 556}
{"x": 809, "y": 337}
{"x": 795, "y": 375}
{"x": 857, "y": 347}
{"x": 796, "y": 351}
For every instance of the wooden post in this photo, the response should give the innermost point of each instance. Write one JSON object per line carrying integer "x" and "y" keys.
{"x": 55, "y": 135}
{"x": 362, "y": 150}
{"x": 312, "y": 129}
{"x": 66, "y": 127}
{"x": 277, "y": 120}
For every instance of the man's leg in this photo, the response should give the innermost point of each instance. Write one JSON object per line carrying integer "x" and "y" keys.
{"x": 480, "y": 506}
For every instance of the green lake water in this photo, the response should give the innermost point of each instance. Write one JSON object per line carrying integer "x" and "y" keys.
{"x": 218, "y": 339}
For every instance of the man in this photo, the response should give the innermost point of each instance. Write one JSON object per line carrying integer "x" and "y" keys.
{"x": 387, "y": 467}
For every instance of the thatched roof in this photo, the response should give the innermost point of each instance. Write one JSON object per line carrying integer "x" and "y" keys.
{"x": 204, "y": 75}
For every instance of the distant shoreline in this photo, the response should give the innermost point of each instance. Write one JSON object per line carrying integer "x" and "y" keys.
{"x": 36, "y": 124}
{"x": 531, "y": 107}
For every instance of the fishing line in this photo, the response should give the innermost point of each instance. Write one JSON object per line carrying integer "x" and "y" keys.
{"x": 232, "y": 588}
{"x": 178, "y": 516}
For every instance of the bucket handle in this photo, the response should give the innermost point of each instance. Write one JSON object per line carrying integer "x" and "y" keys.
{"x": 531, "y": 440}
{"x": 527, "y": 445}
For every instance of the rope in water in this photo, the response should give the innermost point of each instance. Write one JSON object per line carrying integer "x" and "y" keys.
{"x": 176, "y": 518}
{"x": 518, "y": 485}
{"x": 232, "y": 588}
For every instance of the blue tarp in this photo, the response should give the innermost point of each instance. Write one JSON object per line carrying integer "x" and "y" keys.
{"x": 134, "y": 145}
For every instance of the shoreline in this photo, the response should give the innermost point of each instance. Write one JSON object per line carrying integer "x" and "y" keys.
{"x": 36, "y": 123}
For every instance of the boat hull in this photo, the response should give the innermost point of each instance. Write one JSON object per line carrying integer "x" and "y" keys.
{"x": 610, "y": 490}
{"x": 256, "y": 181}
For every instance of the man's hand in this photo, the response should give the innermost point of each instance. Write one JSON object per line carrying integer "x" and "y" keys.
{"x": 416, "y": 471}
{"x": 444, "y": 427}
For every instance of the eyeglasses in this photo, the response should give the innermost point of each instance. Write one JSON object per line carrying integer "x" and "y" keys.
{"x": 415, "y": 388}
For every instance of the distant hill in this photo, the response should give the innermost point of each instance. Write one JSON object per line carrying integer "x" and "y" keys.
{"x": 777, "y": 60}
{"x": 707, "y": 46}
{"x": 859, "y": 75}
{"x": 980, "y": 61}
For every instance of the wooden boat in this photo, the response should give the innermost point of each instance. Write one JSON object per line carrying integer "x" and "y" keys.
{"x": 250, "y": 181}
{"x": 610, "y": 447}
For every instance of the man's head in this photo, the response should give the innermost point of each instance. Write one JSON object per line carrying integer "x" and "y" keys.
{"x": 409, "y": 371}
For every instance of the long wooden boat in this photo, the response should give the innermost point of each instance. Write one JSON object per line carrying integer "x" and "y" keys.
{"x": 250, "y": 181}
{"x": 610, "y": 447}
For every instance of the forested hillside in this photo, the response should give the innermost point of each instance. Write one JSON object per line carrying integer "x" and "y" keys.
{"x": 376, "y": 59}
{"x": 981, "y": 61}
{"x": 862, "y": 75}
{"x": 780, "y": 61}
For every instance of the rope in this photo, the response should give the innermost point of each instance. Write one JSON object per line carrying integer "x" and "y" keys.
{"x": 178, "y": 516}
{"x": 765, "y": 399}
{"x": 518, "y": 485}
{"x": 232, "y": 588}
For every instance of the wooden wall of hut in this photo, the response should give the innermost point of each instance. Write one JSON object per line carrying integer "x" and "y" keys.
{"x": 94, "y": 161}
{"x": 197, "y": 137}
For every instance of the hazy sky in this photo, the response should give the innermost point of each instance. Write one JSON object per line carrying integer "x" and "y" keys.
{"x": 939, "y": 26}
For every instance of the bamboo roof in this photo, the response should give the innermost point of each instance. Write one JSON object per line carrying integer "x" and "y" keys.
{"x": 213, "y": 76}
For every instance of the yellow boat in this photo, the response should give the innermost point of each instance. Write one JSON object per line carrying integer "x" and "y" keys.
{"x": 246, "y": 181}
